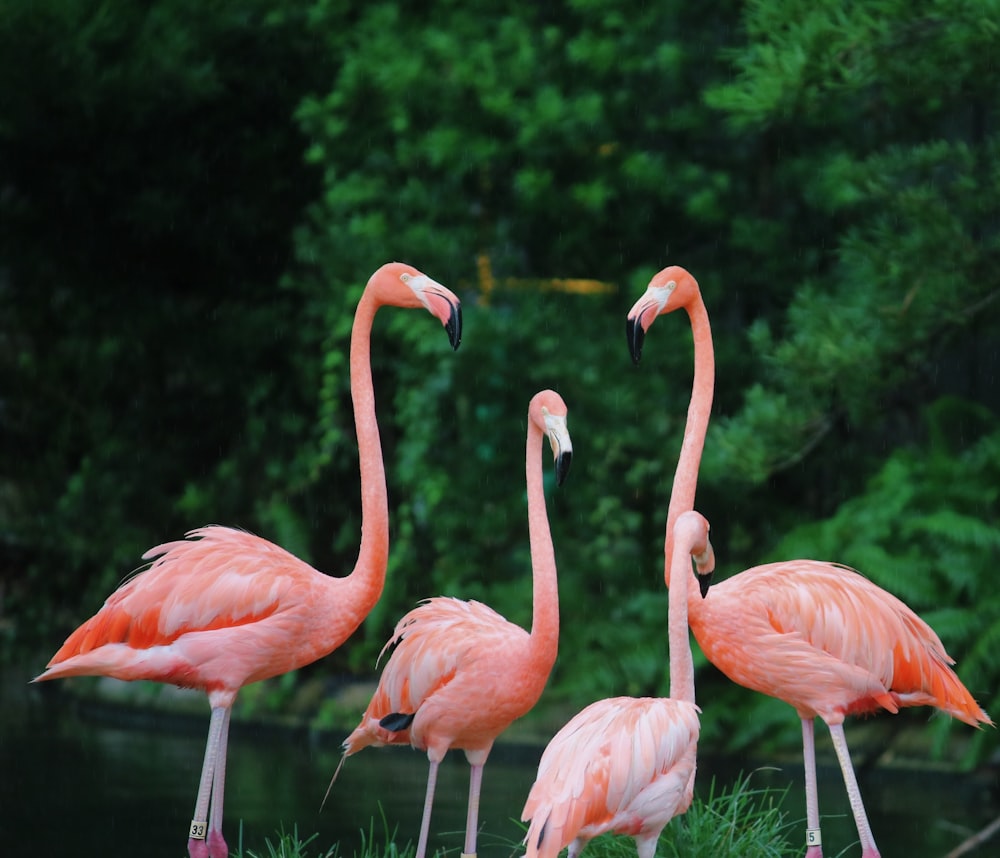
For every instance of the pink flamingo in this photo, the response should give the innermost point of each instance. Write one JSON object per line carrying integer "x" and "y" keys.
{"x": 460, "y": 673}
{"x": 224, "y": 608}
{"x": 817, "y": 635}
{"x": 626, "y": 764}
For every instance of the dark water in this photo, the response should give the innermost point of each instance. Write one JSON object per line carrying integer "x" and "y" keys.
{"x": 74, "y": 783}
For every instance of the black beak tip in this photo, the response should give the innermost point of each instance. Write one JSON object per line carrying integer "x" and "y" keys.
{"x": 563, "y": 461}
{"x": 454, "y": 327}
{"x": 704, "y": 582}
{"x": 636, "y": 336}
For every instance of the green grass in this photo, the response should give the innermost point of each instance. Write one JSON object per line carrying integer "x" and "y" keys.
{"x": 739, "y": 821}
{"x": 290, "y": 845}
{"x": 286, "y": 846}
{"x": 736, "y": 822}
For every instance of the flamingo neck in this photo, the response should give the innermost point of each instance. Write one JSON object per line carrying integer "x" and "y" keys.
{"x": 545, "y": 589}
{"x": 699, "y": 410}
{"x": 368, "y": 577}
{"x": 681, "y": 663}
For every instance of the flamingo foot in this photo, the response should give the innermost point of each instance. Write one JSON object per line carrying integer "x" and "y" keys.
{"x": 217, "y": 847}
{"x": 197, "y": 848}
{"x": 213, "y": 847}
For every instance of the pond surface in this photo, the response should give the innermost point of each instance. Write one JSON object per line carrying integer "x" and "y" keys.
{"x": 73, "y": 783}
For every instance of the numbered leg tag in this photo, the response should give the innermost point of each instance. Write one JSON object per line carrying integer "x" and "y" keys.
{"x": 198, "y": 830}
{"x": 813, "y": 837}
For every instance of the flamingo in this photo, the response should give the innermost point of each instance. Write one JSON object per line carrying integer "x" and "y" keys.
{"x": 818, "y": 635}
{"x": 626, "y": 764}
{"x": 224, "y": 608}
{"x": 460, "y": 673}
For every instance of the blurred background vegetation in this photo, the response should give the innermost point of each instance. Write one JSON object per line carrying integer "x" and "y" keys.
{"x": 192, "y": 196}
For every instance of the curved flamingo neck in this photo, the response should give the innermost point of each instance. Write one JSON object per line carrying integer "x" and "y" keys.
{"x": 373, "y": 556}
{"x": 700, "y": 408}
{"x": 678, "y": 637}
{"x": 544, "y": 589}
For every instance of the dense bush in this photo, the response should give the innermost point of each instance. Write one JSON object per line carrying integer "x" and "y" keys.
{"x": 193, "y": 197}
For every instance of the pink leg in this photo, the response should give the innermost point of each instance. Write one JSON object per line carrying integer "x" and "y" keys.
{"x": 868, "y": 848}
{"x": 814, "y": 841}
{"x": 217, "y": 847}
{"x": 645, "y": 845}
{"x": 197, "y": 846}
{"x": 425, "y": 823}
{"x": 472, "y": 819}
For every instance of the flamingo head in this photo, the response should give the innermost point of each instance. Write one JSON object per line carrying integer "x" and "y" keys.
{"x": 671, "y": 288}
{"x": 402, "y": 285}
{"x": 548, "y": 412}
{"x": 692, "y": 529}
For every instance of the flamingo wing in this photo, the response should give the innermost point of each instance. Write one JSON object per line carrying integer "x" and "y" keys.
{"x": 622, "y": 764}
{"x": 832, "y": 642}
{"x": 436, "y": 641}
{"x": 217, "y": 579}
{"x": 438, "y": 649}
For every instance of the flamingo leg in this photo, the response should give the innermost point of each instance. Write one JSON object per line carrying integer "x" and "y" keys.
{"x": 645, "y": 846}
{"x": 425, "y": 823}
{"x": 814, "y": 841}
{"x": 197, "y": 845}
{"x": 868, "y": 848}
{"x": 472, "y": 819}
{"x": 217, "y": 847}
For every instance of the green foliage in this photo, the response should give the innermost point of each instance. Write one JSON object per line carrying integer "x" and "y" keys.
{"x": 194, "y": 195}
{"x": 804, "y": 58}
{"x": 267, "y": 698}
{"x": 287, "y": 845}
{"x": 511, "y": 147}
{"x": 290, "y": 845}
{"x": 150, "y": 186}
{"x": 386, "y": 847}
{"x": 729, "y": 822}
{"x": 885, "y": 123}
{"x": 461, "y": 436}
{"x": 733, "y": 821}
{"x": 882, "y": 118}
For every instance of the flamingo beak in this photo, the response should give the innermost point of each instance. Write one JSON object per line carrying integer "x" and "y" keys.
{"x": 434, "y": 297}
{"x": 655, "y": 300}
{"x": 704, "y": 582}
{"x": 636, "y": 335}
{"x": 453, "y": 326}
{"x": 563, "y": 461}
{"x": 705, "y": 566}
{"x": 561, "y": 444}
